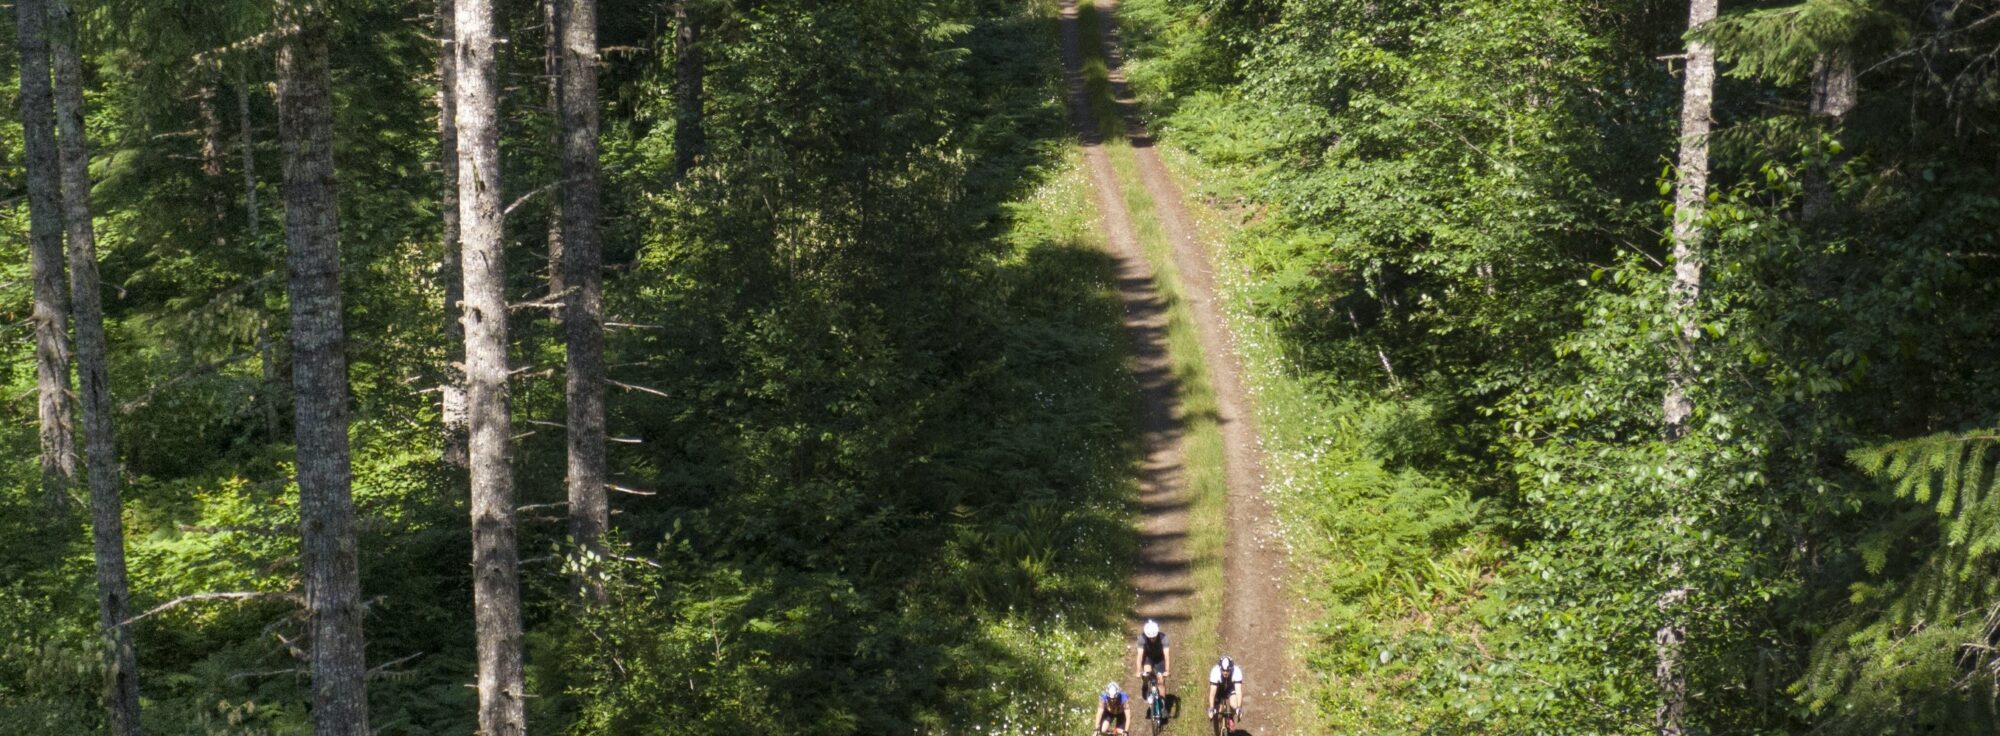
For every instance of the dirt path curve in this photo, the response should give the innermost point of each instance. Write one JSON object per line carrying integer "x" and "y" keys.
{"x": 1254, "y": 616}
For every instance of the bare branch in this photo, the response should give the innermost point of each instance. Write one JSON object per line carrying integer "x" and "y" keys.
{"x": 240, "y": 596}
{"x": 640, "y": 389}
{"x": 640, "y": 560}
{"x": 523, "y": 199}
{"x": 552, "y": 301}
{"x": 383, "y": 668}
{"x": 293, "y": 671}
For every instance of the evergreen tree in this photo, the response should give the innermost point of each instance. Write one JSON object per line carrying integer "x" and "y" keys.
{"x": 319, "y": 377}
{"x": 583, "y": 280}
{"x": 495, "y": 561}
{"x": 45, "y": 252}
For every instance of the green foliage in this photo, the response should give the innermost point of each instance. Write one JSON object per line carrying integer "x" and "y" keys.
{"x": 1920, "y": 621}
{"x": 871, "y": 378}
{"x": 1781, "y": 44}
{"x": 1449, "y": 217}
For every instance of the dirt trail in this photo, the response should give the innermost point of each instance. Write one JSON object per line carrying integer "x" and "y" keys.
{"x": 1254, "y": 616}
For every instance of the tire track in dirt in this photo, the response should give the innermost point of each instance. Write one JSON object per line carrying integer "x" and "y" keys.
{"x": 1254, "y": 614}
{"x": 1162, "y": 578}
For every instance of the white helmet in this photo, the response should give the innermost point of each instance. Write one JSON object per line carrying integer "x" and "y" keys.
{"x": 1111, "y": 689}
{"x": 1226, "y": 663}
{"x": 1152, "y": 628}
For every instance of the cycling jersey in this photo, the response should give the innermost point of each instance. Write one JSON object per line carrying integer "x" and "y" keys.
{"x": 1222, "y": 688}
{"x": 1113, "y": 707}
{"x": 1155, "y": 649}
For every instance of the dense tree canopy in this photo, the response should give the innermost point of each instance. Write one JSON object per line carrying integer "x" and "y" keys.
{"x": 827, "y": 427}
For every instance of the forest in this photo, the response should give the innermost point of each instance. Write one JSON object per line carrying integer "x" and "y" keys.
{"x": 875, "y": 366}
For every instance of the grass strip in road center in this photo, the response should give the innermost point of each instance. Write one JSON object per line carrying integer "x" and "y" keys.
{"x": 1204, "y": 475}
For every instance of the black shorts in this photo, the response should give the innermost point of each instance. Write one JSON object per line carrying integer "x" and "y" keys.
{"x": 1117, "y": 719}
{"x": 1159, "y": 663}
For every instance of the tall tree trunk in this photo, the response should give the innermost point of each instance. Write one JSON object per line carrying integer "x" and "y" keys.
{"x": 496, "y": 586}
{"x": 246, "y": 144}
{"x": 690, "y": 138}
{"x": 211, "y": 151}
{"x": 583, "y": 304}
{"x": 114, "y": 599}
{"x": 246, "y": 149}
{"x": 1690, "y": 198}
{"x": 45, "y": 255}
{"x": 211, "y": 127}
{"x": 552, "y": 62}
{"x": 319, "y": 378}
{"x": 1834, "y": 94}
{"x": 450, "y": 270}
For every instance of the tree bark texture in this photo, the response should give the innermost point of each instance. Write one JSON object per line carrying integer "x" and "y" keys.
{"x": 1690, "y": 201}
{"x": 45, "y": 254}
{"x": 552, "y": 62}
{"x": 690, "y": 137}
{"x": 211, "y": 128}
{"x": 450, "y": 270}
{"x": 495, "y": 561}
{"x": 114, "y": 599}
{"x": 583, "y": 303}
{"x": 1834, "y": 94}
{"x": 267, "y": 354}
{"x": 246, "y": 144}
{"x": 319, "y": 379}
{"x": 211, "y": 151}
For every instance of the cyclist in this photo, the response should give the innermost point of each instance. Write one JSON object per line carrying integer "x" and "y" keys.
{"x": 1153, "y": 650}
{"x": 1110, "y": 711}
{"x": 1225, "y": 685}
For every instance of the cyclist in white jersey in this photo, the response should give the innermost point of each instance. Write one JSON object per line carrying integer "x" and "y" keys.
{"x": 1225, "y": 684}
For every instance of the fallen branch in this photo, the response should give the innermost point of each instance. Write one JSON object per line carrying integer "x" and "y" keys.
{"x": 632, "y": 491}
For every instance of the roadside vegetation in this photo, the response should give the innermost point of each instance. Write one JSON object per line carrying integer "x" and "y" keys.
{"x": 1451, "y": 254}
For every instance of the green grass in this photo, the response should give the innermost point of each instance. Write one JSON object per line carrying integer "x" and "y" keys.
{"x": 1204, "y": 474}
{"x": 1392, "y": 567}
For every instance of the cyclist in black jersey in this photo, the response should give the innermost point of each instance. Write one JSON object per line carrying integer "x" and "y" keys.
{"x": 1153, "y": 650}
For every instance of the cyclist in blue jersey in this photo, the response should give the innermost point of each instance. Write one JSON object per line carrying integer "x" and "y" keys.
{"x": 1111, "y": 711}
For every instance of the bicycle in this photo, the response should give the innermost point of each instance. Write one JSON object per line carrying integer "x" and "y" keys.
{"x": 1156, "y": 701}
{"x": 1223, "y": 720}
